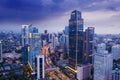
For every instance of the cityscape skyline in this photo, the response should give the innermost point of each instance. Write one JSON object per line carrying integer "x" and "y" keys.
{"x": 53, "y": 14}
{"x": 75, "y": 53}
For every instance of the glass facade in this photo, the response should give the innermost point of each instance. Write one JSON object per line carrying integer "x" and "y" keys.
{"x": 75, "y": 38}
{"x": 89, "y": 44}
{"x": 24, "y": 54}
{"x": 31, "y": 43}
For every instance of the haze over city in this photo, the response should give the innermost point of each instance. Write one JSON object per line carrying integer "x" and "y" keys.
{"x": 54, "y": 14}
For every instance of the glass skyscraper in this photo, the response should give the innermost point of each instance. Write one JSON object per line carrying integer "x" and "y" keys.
{"x": 89, "y": 44}
{"x": 75, "y": 38}
{"x": 26, "y": 33}
{"x": 31, "y": 43}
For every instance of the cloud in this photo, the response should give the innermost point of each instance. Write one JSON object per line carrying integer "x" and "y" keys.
{"x": 104, "y": 22}
{"x": 47, "y": 11}
{"x": 32, "y": 10}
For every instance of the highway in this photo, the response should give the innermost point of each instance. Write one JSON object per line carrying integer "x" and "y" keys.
{"x": 57, "y": 75}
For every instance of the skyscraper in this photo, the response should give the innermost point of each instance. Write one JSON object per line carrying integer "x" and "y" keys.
{"x": 35, "y": 47}
{"x": 88, "y": 45}
{"x": 27, "y": 33}
{"x": 31, "y": 43}
{"x": 103, "y": 63}
{"x": 24, "y": 58}
{"x": 66, "y": 32}
{"x": 26, "y": 29}
{"x": 75, "y": 38}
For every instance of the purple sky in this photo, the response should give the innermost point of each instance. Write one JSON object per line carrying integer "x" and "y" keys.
{"x": 53, "y": 15}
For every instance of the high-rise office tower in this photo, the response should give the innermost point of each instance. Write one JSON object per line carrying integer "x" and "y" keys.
{"x": 31, "y": 43}
{"x": 27, "y": 34}
{"x": 75, "y": 38}
{"x": 40, "y": 67}
{"x": 66, "y": 32}
{"x": 26, "y": 29}
{"x": 103, "y": 63}
{"x": 88, "y": 45}
{"x": 24, "y": 58}
{"x": 35, "y": 47}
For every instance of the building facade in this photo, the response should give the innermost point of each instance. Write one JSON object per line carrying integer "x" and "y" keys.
{"x": 84, "y": 72}
{"x": 116, "y": 51}
{"x": 25, "y": 34}
{"x": 66, "y": 32}
{"x": 75, "y": 38}
{"x": 88, "y": 45}
{"x": 40, "y": 67}
{"x": 31, "y": 43}
{"x": 103, "y": 63}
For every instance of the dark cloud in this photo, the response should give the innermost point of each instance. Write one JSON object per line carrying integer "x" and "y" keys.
{"x": 28, "y": 10}
{"x": 33, "y": 10}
